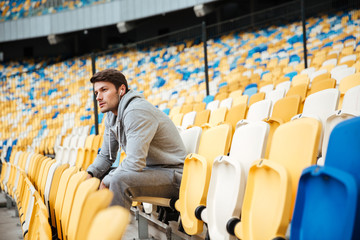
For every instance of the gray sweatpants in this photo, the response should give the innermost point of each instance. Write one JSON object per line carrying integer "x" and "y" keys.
{"x": 151, "y": 182}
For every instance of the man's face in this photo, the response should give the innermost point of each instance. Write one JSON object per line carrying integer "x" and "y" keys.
{"x": 107, "y": 96}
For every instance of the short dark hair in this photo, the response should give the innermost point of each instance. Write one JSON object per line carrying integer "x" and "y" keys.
{"x": 110, "y": 75}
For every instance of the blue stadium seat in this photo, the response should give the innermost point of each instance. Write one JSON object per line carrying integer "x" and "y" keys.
{"x": 325, "y": 205}
{"x": 328, "y": 197}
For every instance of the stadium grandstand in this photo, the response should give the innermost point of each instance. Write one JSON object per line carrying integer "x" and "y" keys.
{"x": 265, "y": 95}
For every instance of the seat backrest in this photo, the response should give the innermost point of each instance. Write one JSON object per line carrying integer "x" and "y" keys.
{"x": 332, "y": 61}
{"x": 342, "y": 73}
{"x": 177, "y": 118}
{"x": 84, "y": 190}
{"x": 256, "y": 98}
{"x": 284, "y": 85}
{"x": 320, "y": 74}
{"x": 109, "y": 224}
{"x": 188, "y": 119}
{"x": 300, "y": 89}
{"x": 249, "y": 143}
{"x": 235, "y": 93}
{"x": 67, "y": 140}
{"x": 349, "y": 82}
{"x": 300, "y": 79}
{"x": 226, "y": 103}
{"x": 343, "y": 149}
{"x": 343, "y": 153}
{"x": 45, "y": 176}
{"x": 217, "y": 116}
{"x": 295, "y": 146}
{"x": 95, "y": 202}
{"x": 215, "y": 141}
{"x": 196, "y": 175}
{"x": 259, "y": 110}
{"x": 60, "y": 195}
{"x": 235, "y": 114}
{"x": 243, "y": 99}
{"x": 73, "y": 141}
{"x": 81, "y": 141}
{"x": 213, "y": 105}
{"x": 175, "y": 110}
{"x": 221, "y": 95}
{"x": 266, "y": 208}
{"x": 225, "y": 196}
{"x": 347, "y": 58}
{"x": 191, "y": 139}
{"x": 322, "y": 85}
{"x": 350, "y": 108}
{"x": 351, "y": 103}
{"x": 186, "y": 108}
{"x": 66, "y": 212}
{"x": 51, "y": 187}
{"x": 267, "y": 88}
{"x": 286, "y": 108}
{"x": 274, "y": 96}
{"x": 326, "y": 205}
{"x": 321, "y": 104}
{"x": 202, "y": 117}
{"x": 200, "y": 106}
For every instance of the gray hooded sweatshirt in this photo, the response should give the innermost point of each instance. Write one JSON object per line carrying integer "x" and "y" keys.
{"x": 148, "y": 137}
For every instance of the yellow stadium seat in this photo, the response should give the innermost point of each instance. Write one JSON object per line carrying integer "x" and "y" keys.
{"x": 221, "y": 96}
{"x": 53, "y": 191}
{"x": 300, "y": 90}
{"x": 74, "y": 182}
{"x": 198, "y": 107}
{"x": 256, "y": 97}
{"x": 109, "y": 224}
{"x": 235, "y": 114}
{"x": 177, "y": 118}
{"x": 202, "y": 118}
{"x": 95, "y": 202}
{"x": 284, "y": 110}
{"x": 265, "y": 212}
{"x": 85, "y": 152}
{"x": 295, "y": 145}
{"x": 41, "y": 189}
{"x": 196, "y": 175}
{"x": 186, "y": 108}
{"x": 240, "y": 100}
{"x": 83, "y": 192}
{"x": 60, "y": 195}
{"x": 321, "y": 85}
{"x": 217, "y": 116}
{"x": 300, "y": 79}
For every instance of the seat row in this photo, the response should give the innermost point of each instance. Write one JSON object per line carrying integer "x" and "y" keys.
{"x": 54, "y": 204}
{"x": 263, "y": 191}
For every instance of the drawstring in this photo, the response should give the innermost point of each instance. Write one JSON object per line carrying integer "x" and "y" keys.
{"x": 110, "y": 145}
{"x": 118, "y": 137}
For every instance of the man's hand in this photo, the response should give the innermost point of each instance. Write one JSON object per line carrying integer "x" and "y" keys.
{"x": 88, "y": 177}
{"x": 102, "y": 185}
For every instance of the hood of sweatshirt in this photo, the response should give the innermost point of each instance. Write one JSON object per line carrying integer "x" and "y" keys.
{"x": 115, "y": 123}
{"x": 125, "y": 101}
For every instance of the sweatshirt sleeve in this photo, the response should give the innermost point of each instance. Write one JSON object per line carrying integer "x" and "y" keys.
{"x": 140, "y": 128}
{"x": 103, "y": 162}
